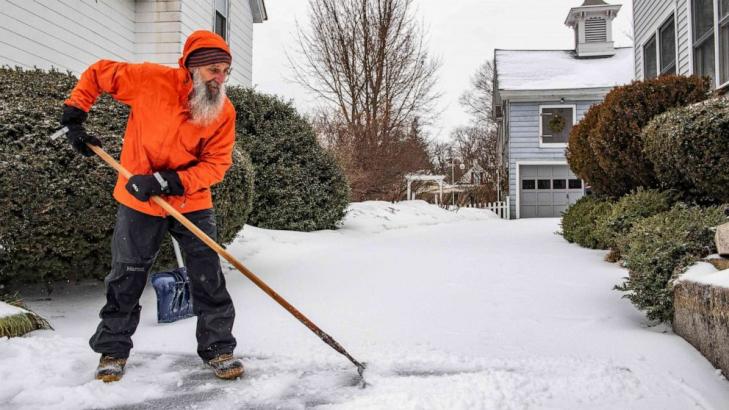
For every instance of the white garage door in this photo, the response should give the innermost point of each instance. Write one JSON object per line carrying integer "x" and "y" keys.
{"x": 547, "y": 190}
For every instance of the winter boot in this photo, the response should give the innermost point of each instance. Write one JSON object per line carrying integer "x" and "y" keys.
{"x": 226, "y": 366}
{"x": 110, "y": 369}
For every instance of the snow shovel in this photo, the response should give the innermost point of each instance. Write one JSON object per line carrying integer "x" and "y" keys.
{"x": 230, "y": 258}
{"x": 174, "y": 300}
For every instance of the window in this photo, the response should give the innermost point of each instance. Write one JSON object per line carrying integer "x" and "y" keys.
{"x": 559, "y": 183}
{"x": 544, "y": 184}
{"x": 667, "y": 39}
{"x": 221, "y": 18}
{"x": 575, "y": 184}
{"x": 703, "y": 37}
{"x": 650, "y": 69}
{"x": 528, "y": 184}
{"x": 556, "y": 123}
{"x": 724, "y": 41}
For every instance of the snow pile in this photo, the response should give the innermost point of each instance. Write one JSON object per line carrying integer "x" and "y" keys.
{"x": 706, "y": 273}
{"x": 560, "y": 69}
{"x": 10, "y": 310}
{"x": 377, "y": 216}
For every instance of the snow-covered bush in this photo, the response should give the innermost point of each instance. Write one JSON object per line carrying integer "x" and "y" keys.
{"x": 630, "y": 209}
{"x": 56, "y": 207}
{"x": 615, "y": 139}
{"x": 661, "y": 247}
{"x": 584, "y": 222}
{"x": 581, "y": 157}
{"x": 298, "y": 185}
{"x": 689, "y": 148}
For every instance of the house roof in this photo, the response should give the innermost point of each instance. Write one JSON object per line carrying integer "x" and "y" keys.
{"x": 561, "y": 69}
{"x": 594, "y": 3}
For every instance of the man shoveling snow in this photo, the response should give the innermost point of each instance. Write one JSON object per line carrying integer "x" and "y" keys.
{"x": 178, "y": 142}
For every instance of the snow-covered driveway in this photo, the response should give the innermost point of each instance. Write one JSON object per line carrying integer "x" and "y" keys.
{"x": 451, "y": 311}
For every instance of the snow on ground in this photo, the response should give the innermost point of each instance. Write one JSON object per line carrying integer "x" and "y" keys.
{"x": 450, "y": 311}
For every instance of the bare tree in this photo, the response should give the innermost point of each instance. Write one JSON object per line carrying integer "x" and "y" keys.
{"x": 367, "y": 60}
{"x": 478, "y": 99}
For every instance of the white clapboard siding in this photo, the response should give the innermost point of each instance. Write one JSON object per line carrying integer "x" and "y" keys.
{"x": 157, "y": 33}
{"x": 69, "y": 35}
{"x": 241, "y": 42}
{"x": 65, "y": 34}
{"x": 648, "y": 16}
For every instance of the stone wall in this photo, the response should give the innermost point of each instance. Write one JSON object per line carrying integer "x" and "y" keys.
{"x": 702, "y": 318}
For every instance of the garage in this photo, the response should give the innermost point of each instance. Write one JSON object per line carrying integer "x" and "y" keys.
{"x": 545, "y": 191}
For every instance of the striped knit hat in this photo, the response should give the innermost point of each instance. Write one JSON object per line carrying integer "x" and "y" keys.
{"x": 205, "y": 56}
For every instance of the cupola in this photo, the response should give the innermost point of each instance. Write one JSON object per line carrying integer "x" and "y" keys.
{"x": 593, "y": 25}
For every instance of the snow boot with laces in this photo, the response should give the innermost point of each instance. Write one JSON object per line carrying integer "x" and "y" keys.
{"x": 110, "y": 369}
{"x": 226, "y": 366}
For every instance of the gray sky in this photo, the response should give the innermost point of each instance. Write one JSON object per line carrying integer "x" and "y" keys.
{"x": 461, "y": 33}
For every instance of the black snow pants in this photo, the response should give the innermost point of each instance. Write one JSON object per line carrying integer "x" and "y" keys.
{"x": 136, "y": 241}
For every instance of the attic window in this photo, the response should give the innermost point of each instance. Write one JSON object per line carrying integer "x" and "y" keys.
{"x": 221, "y": 18}
{"x": 595, "y": 30}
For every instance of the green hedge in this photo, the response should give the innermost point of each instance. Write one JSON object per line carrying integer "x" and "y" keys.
{"x": 632, "y": 208}
{"x": 661, "y": 247}
{"x": 689, "y": 149}
{"x": 615, "y": 142}
{"x": 298, "y": 185}
{"x": 584, "y": 222}
{"x": 56, "y": 206}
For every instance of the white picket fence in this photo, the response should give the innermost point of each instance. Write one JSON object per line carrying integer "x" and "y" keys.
{"x": 500, "y": 208}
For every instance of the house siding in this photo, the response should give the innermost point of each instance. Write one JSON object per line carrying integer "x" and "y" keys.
{"x": 66, "y": 35}
{"x": 69, "y": 35}
{"x": 648, "y": 16}
{"x": 523, "y": 138}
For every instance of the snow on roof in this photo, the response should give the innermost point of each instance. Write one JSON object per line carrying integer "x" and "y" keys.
{"x": 561, "y": 69}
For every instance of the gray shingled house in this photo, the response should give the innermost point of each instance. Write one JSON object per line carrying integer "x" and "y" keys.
{"x": 540, "y": 94}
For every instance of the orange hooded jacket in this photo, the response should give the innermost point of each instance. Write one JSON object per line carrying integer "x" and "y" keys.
{"x": 158, "y": 135}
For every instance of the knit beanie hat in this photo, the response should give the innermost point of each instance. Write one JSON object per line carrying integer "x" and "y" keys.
{"x": 205, "y": 56}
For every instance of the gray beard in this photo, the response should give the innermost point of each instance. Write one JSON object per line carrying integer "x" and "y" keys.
{"x": 204, "y": 106}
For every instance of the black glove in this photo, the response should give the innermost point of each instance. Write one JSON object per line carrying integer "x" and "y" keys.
{"x": 73, "y": 118}
{"x": 145, "y": 186}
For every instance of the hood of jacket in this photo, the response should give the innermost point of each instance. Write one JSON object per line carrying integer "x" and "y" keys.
{"x": 202, "y": 39}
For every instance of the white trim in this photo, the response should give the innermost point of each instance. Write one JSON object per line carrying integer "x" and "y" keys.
{"x": 690, "y": 27}
{"x": 577, "y": 94}
{"x": 518, "y": 180}
{"x": 541, "y": 133}
{"x": 717, "y": 57}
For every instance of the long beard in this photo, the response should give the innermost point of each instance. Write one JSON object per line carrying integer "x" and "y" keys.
{"x": 205, "y": 105}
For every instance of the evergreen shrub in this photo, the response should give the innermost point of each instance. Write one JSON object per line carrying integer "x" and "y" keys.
{"x": 661, "y": 247}
{"x": 630, "y": 209}
{"x": 56, "y": 206}
{"x": 688, "y": 147}
{"x": 615, "y": 140}
{"x": 584, "y": 222}
{"x": 581, "y": 158}
{"x": 298, "y": 185}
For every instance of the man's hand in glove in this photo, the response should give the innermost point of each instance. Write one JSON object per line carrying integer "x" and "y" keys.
{"x": 74, "y": 118}
{"x": 159, "y": 183}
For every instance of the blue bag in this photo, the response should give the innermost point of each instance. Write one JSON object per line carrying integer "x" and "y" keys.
{"x": 174, "y": 301}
